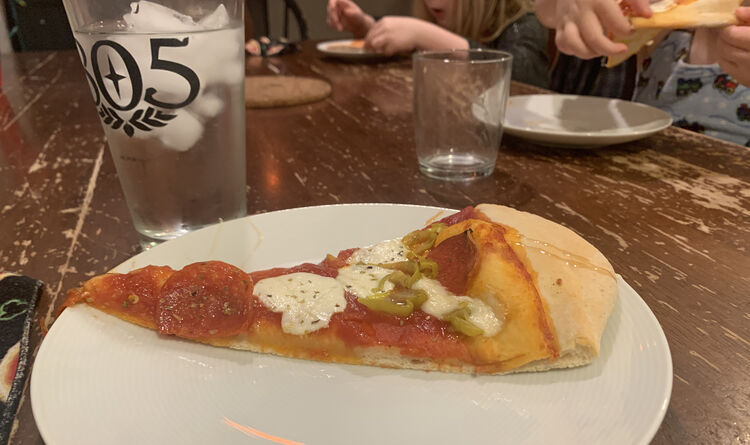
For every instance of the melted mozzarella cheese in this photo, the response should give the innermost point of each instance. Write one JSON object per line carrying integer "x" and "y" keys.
{"x": 306, "y": 301}
{"x": 662, "y": 6}
{"x": 482, "y": 316}
{"x": 659, "y": 5}
{"x": 361, "y": 279}
{"x": 390, "y": 251}
{"x": 441, "y": 302}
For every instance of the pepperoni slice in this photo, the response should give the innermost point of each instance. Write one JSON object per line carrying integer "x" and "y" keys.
{"x": 455, "y": 257}
{"x": 463, "y": 215}
{"x": 205, "y": 300}
{"x": 132, "y": 296}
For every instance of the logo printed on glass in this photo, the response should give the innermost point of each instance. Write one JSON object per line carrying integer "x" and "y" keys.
{"x": 117, "y": 84}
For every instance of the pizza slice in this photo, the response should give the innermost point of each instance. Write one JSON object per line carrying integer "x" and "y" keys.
{"x": 486, "y": 290}
{"x": 673, "y": 14}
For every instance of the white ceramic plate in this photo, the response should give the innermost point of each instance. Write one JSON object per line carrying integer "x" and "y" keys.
{"x": 100, "y": 380}
{"x": 581, "y": 121}
{"x": 343, "y": 49}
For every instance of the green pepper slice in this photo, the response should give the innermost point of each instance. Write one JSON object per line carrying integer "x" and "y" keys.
{"x": 420, "y": 241}
{"x": 397, "y": 301}
{"x": 402, "y": 308}
{"x": 415, "y": 265}
{"x": 406, "y": 267}
{"x": 459, "y": 321}
{"x": 465, "y": 327}
{"x": 428, "y": 267}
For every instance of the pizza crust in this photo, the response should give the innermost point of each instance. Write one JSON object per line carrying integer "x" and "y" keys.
{"x": 575, "y": 280}
{"x": 635, "y": 41}
{"x": 675, "y": 14}
{"x": 692, "y": 14}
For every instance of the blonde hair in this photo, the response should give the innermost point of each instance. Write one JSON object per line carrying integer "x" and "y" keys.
{"x": 480, "y": 20}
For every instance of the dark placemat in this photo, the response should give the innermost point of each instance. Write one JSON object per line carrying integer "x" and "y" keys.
{"x": 18, "y": 298}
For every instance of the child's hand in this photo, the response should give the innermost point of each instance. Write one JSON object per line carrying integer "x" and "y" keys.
{"x": 733, "y": 48}
{"x": 345, "y": 15}
{"x": 394, "y": 34}
{"x": 582, "y": 25}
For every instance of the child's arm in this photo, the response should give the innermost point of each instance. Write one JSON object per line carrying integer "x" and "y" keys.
{"x": 581, "y": 25}
{"x": 345, "y": 15}
{"x": 733, "y": 48}
{"x": 391, "y": 35}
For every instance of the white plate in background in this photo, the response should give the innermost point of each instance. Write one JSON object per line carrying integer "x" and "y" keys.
{"x": 350, "y": 49}
{"x": 100, "y": 380}
{"x": 581, "y": 121}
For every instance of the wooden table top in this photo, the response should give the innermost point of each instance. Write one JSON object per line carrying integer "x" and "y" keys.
{"x": 671, "y": 212}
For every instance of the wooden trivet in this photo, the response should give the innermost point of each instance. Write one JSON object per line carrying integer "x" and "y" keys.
{"x": 283, "y": 91}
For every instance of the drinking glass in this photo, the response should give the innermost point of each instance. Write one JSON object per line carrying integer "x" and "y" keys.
{"x": 460, "y": 98}
{"x": 167, "y": 78}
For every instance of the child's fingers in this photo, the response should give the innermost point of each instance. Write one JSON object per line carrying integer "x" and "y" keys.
{"x": 612, "y": 18}
{"x": 730, "y": 67}
{"x": 732, "y": 53}
{"x": 374, "y": 37}
{"x": 743, "y": 14}
{"x": 380, "y": 40}
{"x": 375, "y": 43}
{"x": 569, "y": 41}
{"x": 351, "y": 11}
{"x": 736, "y": 36}
{"x": 375, "y": 31}
{"x": 594, "y": 37}
{"x": 734, "y": 57}
{"x": 332, "y": 16}
{"x": 386, "y": 48}
{"x": 329, "y": 14}
{"x": 333, "y": 21}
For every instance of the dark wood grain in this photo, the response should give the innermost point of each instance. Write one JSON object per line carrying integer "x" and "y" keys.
{"x": 671, "y": 212}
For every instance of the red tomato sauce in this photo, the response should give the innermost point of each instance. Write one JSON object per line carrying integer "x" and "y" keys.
{"x": 134, "y": 294}
{"x": 205, "y": 300}
{"x": 418, "y": 335}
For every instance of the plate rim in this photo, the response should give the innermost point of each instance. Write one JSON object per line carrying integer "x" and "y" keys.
{"x": 323, "y": 48}
{"x": 646, "y": 434}
{"x": 666, "y": 119}
{"x": 662, "y": 411}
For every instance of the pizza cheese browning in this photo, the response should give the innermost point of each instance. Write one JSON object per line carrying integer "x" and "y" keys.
{"x": 487, "y": 290}
{"x": 673, "y": 14}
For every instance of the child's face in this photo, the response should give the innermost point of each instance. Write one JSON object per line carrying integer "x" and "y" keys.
{"x": 444, "y": 12}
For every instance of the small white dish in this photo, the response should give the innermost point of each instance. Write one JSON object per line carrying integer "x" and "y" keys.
{"x": 348, "y": 49}
{"x": 99, "y": 380}
{"x": 581, "y": 121}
